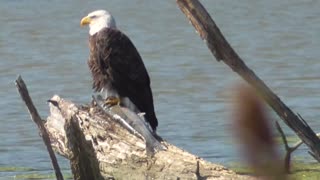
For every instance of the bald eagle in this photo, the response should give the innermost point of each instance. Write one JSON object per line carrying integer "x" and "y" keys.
{"x": 117, "y": 67}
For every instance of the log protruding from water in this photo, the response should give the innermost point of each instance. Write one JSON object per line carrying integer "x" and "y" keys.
{"x": 95, "y": 143}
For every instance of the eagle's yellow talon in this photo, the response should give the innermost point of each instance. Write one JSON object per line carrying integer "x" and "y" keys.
{"x": 112, "y": 101}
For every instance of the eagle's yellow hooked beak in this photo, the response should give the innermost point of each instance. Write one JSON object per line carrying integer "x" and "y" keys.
{"x": 85, "y": 21}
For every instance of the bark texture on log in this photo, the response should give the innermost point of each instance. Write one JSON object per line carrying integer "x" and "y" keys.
{"x": 100, "y": 148}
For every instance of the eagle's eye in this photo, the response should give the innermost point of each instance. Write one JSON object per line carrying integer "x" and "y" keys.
{"x": 93, "y": 16}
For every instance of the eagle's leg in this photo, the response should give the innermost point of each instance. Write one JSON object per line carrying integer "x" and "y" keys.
{"x": 112, "y": 101}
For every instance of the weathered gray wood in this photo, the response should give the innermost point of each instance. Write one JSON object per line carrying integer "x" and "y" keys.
{"x": 23, "y": 91}
{"x": 115, "y": 152}
{"x": 84, "y": 164}
{"x": 222, "y": 51}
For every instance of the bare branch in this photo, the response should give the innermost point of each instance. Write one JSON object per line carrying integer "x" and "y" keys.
{"x": 289, "y": 150}
{"x": 23, "y": 91}
{"x": 283, "y": 136}
{"x": 222, "y": 50}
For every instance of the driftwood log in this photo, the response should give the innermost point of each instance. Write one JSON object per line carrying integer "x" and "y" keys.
{"x": 98, "y": 147}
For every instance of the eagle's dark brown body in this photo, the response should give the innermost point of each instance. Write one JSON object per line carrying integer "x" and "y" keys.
{"x": 116, "y": 65}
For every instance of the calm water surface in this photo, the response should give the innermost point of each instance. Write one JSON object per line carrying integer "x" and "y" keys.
{"x": 42, "y": 41}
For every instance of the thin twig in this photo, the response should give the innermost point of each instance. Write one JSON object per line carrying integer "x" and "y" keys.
{"x": 283, "y": 136}
{"x": 298, "y": 143}
{"x": 23, "y": 91}
{"x": 289, "y": 150}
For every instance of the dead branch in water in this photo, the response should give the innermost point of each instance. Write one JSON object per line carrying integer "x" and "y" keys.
{"x": 222, "y": 51}
{"x": 23, "y": 91}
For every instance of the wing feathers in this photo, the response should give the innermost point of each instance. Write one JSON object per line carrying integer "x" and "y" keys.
{"x": 115, "y": 59}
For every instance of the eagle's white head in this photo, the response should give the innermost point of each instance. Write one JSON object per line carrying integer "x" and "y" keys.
{"x": 98, "y": 20}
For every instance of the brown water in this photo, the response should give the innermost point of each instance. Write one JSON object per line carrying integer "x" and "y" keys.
{"x": 42, "y": 41}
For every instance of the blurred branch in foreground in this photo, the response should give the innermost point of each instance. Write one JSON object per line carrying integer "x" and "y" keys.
{"x": 252, "y": 130}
